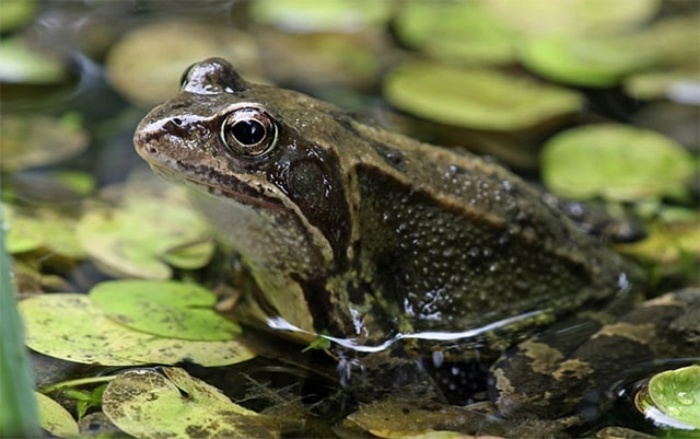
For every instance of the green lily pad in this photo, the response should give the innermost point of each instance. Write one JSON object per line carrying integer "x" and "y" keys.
{"x": 14, "y": 14}
{"x": 54, "y": 418}
{"x": 455, "y": 31}
{"x": 593, "y": 62}
{"x": 42, "y": 229}
{"x": 572, "y": 17}
{"x": 37, "y": 140}
{"x": 616, "y": 162}
{"x": 320, "y": 15}
{"x": 148, "y": 232}
{"x": 164, "y": 49}
{"x": 475, "y": 98}
{"x": 676, "y": 393}
{"x": 68, "y": 326}
{"x": 168, "y": 309}
{"x": 148, "y": 404}
{"x": 659, "y": 85}
{"x": 20, "y": 64}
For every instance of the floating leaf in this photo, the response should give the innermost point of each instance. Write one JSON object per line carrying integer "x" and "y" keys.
{"x": 455, "y": 31}
{"x": 168, "y": 309}
{"x": 68, "y": 326}
{"x": 54, "y": 418}
{"x": 616, "y": 162}
{"x": 37, "y": 140}
{"x": 664, "y": 84}
{"x": 137, "y": 239}
{"x": 164, "y": 49}
{"x": 320, "y": 15}
{"x": 475, "y": 98}
{"x": 20, "y": 64}
{"x": 148, "y": 404}
{"x": 572, "y": 17}
{"x": 676, "y": 393}
{"x": 592, "y": 62}
{"x": 42, "y": 229}
{"x": 14, "y": 14}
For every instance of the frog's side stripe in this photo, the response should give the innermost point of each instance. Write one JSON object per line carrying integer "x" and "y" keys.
{"x": 540, "y": 377}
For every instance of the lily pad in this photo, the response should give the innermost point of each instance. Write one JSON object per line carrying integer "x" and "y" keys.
{"x": 662, "y": 84}
{"x": 572, "y": 17}
{"x": 168, "y": 309}
{"x": 616, "y": 162}
{"x": 14, "y": 14}
{"x": 475, "y": 98}
{"x": 457, "y": 31}
{"x": 145, "y": 234}
{"x": 140, "y": 63}
{"x": 54, "y": 418}
{"x": 676, "y": 393}
{"x": 37, "y": 140}
{"x": 148, "y": 404}
{"x": 320, "y": 15}
{"x": 68, "y": 326}
{"x": 593, "y": 62}
{"x": 42, "y": 229}
{"x": 20, "y": 64}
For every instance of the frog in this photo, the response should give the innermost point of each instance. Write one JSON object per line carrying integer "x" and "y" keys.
{"x": 393, "y": 250}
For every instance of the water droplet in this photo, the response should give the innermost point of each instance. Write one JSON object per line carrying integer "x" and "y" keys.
{"x": 685, "y": 398}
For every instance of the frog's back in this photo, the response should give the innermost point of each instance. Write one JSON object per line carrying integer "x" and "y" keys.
{"x": 471, "y": 244}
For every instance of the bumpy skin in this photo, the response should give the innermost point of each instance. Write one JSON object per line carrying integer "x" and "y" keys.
{"x": 375, "y": 233}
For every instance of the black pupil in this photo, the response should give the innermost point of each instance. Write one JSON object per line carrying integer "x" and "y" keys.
{"x": 248, "y": 132}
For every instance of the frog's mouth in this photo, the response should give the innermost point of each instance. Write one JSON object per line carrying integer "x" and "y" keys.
{"x": 232, "y": 190}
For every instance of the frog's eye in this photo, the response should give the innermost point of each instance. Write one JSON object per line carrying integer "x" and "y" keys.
{"x": 249, "y": 132}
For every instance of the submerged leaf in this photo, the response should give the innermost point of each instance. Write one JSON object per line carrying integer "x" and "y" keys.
{"x": 168, "y": 309}
{"x": 148, "y": 404}
{"x": 68, "y": 326}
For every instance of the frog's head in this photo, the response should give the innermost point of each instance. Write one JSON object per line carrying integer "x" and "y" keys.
{"x": 265, "y": 161}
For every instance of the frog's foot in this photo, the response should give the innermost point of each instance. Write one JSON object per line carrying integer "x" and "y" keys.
{"x": 542, "y": 377}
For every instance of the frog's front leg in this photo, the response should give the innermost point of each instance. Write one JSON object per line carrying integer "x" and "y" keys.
{"x": 571, "y": 369}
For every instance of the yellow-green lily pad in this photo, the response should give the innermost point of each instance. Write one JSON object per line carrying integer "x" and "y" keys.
{"x": 145, "y": 64}
{"x": 593, "y": 62}
{"x": 168, "y": 309}
{"x": 38, "y": 140}
{"x": 42, "y": 229}
{"x": 572, "y": 17}
{"x": 14, "y": 14}
{"x": 54, "y": 418}
{"x": 676, "y": 393}
{"x": 147, "y": 404}
{"x": 320, "y": 15}
{"x": 616, "y": 162}
{"x": 145, "y": 235}
{"x": 70, "y": 327}
{"x": 475, "y": 98}
{"x": 19, "y": 63}
{"x": 457, "y": 31}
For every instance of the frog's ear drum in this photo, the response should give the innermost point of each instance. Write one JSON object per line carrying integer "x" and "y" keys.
{"x": 249, "y": 132}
